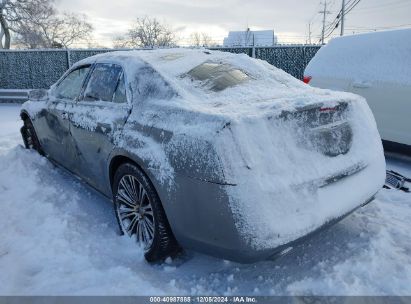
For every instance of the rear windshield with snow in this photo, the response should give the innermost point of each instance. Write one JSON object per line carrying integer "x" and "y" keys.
{"x": 217, "y": 76}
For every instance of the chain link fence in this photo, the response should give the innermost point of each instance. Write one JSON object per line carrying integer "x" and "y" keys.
{"x": 35, "y": 69}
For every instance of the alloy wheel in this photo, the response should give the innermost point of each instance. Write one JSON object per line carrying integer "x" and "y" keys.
{"x": 135, "y": 211}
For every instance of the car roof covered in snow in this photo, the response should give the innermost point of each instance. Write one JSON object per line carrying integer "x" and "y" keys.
{"x": 261, "y": 84}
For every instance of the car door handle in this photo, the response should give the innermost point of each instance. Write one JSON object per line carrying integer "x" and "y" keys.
{"x": 64, "y": 115}
{"x": 361, "y": 85}
{"x": 106, "y": 128}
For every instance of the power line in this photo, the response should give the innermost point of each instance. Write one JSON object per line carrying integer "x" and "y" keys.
{"x": 352, "y": 7}
{"x": 349, "y": 6}
{"x": 333, "y": 24}
{"x": 385, "y": 5}
{"x": 367, "y": 29}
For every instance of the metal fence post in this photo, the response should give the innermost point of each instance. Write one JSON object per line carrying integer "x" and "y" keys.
{"x": 68, "y": 59}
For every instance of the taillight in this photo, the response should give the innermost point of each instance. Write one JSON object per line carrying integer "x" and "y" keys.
{"x": 328, "y": 109}
{"x": 307, "y": 79}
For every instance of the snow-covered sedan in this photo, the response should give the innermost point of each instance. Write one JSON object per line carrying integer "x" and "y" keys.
{"x": 210, "y": 151}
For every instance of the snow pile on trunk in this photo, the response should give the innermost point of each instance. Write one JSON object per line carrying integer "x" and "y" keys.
{"x": 277, "y": 198}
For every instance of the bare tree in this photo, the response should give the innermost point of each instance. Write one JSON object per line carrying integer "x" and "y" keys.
{"x": 17, "y": 13}
{"x": 96, "y": 45}
{"x": 206, "y": 38}
{"x": 29, "y": 37}
{"x": 149, "y": 33}
{"x": 1, "y": 37}
{"x": 195, "y": 39}
{"x": 36, "y": 23}
{"x": 55, "y": 32}
{"x": 121, "y": 42}
{"x": 200, "y": 39}
{"x": 67, "y": 29}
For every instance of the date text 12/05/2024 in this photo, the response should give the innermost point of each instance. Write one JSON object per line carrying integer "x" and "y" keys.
{"x": 203, "y": 299}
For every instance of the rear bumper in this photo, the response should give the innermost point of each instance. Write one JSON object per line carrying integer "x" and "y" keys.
{"x": 227, "y": 221}
{"x": 279, "y": 251}
{"x": 245, "y": 254}
{"x": 201, "y": 220}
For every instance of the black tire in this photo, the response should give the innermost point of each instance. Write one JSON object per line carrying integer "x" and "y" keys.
{"x": 163, "y": 243}
{"x": 30, "y": 138}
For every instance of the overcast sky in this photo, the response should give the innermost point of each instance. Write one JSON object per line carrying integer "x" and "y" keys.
{"x": 288, "y": 18}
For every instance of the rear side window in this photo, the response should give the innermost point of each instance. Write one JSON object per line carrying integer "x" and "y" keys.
{"x": 120, "y": 93}
{"x": 71, "y": 85}
{"x": 103, "y": 82}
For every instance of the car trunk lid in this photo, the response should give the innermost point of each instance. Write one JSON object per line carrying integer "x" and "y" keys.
{"x": 323, "y": 127}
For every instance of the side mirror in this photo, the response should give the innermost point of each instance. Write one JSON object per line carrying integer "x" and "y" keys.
{"x": 38, "y": 95}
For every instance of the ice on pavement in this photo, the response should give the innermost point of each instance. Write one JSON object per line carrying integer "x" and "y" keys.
{"x": 58, "y": 237}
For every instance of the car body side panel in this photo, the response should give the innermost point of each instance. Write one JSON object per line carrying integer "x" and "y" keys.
{"x": 201, "y": 218}
{"x": 198, "y": 212}
{"x": 95, "y": 141}
{"x": 54, "y": 132}
{"x": 41, "y": 125}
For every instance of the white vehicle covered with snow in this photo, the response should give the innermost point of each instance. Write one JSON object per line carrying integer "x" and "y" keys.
{"x": 376, "y": 66}
{"x": 232, "y": 156}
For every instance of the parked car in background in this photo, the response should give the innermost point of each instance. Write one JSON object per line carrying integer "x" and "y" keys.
{"x": 376, "y": 66}
{"x": 211, "y": 151}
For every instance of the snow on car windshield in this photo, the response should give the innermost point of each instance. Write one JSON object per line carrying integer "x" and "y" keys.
{"x": 217, "y": 76}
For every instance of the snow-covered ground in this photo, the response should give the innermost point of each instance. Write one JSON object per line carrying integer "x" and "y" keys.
{"x": 59, "y": 237}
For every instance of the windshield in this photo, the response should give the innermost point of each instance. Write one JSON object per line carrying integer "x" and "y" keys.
{"x": 217, "y": 76}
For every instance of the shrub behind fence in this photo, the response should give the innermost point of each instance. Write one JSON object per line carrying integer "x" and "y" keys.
{"x": 35, "y": 69}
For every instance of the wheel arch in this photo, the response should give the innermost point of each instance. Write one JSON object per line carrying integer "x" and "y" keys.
{"x": 166, "y": 243}
{"x": 115, "y": 163}
{"x": 24, "y": 115}
{"x": 118, "y": 159}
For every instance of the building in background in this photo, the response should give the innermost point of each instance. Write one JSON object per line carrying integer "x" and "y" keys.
{"x": 250, "y": 38}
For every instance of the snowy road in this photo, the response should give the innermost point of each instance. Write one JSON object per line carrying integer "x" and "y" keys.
{"x": 59, "y": 237}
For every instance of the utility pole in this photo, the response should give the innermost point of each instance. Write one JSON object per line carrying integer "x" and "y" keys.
{"x": 309, "y": 32}
{"x": 342, "y": 17}
{"x": 324, "y": 12}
